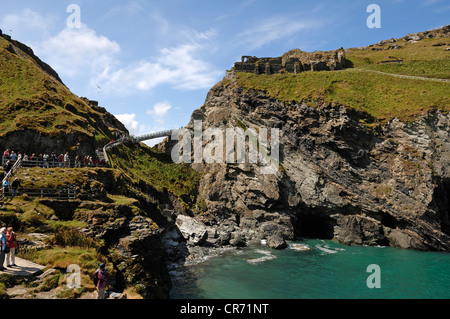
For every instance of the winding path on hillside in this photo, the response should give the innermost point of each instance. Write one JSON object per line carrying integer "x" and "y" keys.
{"x": 412, "y": 77}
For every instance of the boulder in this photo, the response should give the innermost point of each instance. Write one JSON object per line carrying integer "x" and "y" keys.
{"x": 276, "y": 242}
{"x": 237, "y": 239}
{"x": 192, "y": 230}
{"x": 358, "y": 230}
{"x": 414, "y": 37}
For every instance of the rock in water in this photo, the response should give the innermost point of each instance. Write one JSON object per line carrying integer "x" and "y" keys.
{"x": 276, "y": 242}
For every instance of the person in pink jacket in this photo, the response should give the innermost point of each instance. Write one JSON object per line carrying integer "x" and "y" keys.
{"x": 102, "y": 275}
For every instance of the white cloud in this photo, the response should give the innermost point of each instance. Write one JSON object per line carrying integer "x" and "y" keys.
{"x": 181, "y": 67}
{"x": 73, "y": 52}
{"x": 27, "y": 24}
{"x": 159, "y": 111}
{"x": 81, "y": 52}
{"x": 130, "y": 122}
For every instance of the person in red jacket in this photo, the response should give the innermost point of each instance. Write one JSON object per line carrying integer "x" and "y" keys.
{"x": 11, "y": 242}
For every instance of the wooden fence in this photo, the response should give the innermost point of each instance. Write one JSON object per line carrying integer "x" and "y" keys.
{"x": 55, "y": 193}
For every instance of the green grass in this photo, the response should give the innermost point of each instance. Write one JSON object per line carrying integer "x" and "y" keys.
{"x": 419, "y": 59}
{"x": 142, "y": 163}
{"x": 31, "y": 99}
{"x": 382, "y": 96}
{"x": 56, "y": 177}
{"x": 62, "y": 257}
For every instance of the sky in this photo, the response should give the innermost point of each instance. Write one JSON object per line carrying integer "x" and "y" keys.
{"x": 152, "y": 63}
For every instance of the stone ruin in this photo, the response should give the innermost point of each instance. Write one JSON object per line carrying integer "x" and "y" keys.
{"x": 294, "y": 61}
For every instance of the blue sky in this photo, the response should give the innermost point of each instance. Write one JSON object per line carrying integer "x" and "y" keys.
{"x": 151, "y": 63}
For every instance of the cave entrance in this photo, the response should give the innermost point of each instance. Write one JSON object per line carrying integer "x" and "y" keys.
{"x": 317, "y": 226}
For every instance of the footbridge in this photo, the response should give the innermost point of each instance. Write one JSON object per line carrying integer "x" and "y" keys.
{"x": 135, "y": 139}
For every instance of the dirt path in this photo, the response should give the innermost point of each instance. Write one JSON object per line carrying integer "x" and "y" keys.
{"x": 24, "y": 268}
{"x": 404, "y": 76}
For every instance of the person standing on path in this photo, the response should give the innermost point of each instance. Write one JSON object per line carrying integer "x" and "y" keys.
{"x": 7, "y": 167}
{"x": 15, "y": 185}
{"x": 6, "y": 185}
{"x": 11, "y": 241}
{"x": 3, "y": 245}
{"x": 102, "y": 282}
{"x": 66, "y": 160}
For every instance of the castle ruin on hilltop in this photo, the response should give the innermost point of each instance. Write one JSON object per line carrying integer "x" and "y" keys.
{"x": 294, "y": 61}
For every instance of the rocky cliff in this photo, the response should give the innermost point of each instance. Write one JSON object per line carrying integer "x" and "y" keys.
{"x": 112, "y": 218}
{"x": 364, "y": 158}
{"x": 348, "y": 171}
{"x": 338, "y": 178}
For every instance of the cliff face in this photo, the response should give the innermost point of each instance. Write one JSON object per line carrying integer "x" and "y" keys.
{"x": 40, "y": 114}
{"x": 364, "y": 152}
{"x": 338, "y": 177}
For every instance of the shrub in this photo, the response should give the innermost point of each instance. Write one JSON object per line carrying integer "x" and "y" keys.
{"x": 71, "y": 237}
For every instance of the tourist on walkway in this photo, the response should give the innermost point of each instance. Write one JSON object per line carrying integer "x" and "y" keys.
{"x": 77, "y": 161}
{"x": 7, "y": 167}
{"x": 102, "y": 282}
{"x": 66, "y": 160}
{"x": 3, "y": 246}
{"x": 53, "y": 159}
{"x": 45, "y": 157}
{"x": 15, "y": 185}
{"x": 11, "y": 242}
{"x": 60, "y": 160}
{"x": 6, "y": 185}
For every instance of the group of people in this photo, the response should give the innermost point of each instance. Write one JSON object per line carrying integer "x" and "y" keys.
{"x": 14, "y": 186}
{"x": 8, "y": 245}
{"x": 46, "y": 160}
{"x": 88, "y": 161}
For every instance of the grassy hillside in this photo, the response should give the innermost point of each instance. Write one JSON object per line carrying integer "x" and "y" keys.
{"x": 427, "y": 58}
{"x": 142, "y": 163}
{"x": 32, "y": 99}
{"x": 382, "y": 96}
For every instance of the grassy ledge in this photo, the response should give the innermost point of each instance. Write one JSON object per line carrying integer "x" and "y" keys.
{"x": 382, "y": 96}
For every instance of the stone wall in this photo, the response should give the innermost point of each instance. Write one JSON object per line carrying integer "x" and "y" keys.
{"x": 294, "y": 61}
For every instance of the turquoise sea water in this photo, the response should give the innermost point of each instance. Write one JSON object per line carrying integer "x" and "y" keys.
{"x": 328, "y": 270}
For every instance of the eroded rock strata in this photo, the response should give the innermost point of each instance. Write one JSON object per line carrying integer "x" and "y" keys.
{"x": 385, "y": 184}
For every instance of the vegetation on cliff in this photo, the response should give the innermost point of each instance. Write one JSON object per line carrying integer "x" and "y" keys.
{"x": 383, "y": 96}
{"x": 120, "y": 212}
{"x": 31, "y": 99}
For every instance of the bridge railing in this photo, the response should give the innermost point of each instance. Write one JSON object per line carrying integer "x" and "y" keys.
{"x": 134, "y": 139}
